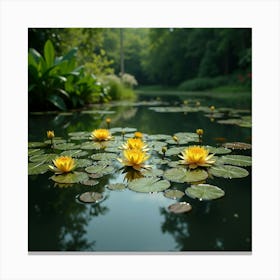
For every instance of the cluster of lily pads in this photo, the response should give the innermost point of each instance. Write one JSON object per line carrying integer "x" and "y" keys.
{"x": 148, "y": 163}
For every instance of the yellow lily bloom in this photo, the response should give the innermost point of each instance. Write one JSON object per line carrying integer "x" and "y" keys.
{"x": 135, "y": 143}
{"x": 134, "y": 158}
{"x": 195, "y": 156}
{"x": 101, "y": 135}
{"x": 63, "y": 164}
{"x": 50, "y": 134}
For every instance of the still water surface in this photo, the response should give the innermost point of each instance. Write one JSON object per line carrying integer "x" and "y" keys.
{"x": 126, "y": 221}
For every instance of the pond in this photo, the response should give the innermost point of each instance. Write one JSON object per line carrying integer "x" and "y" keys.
{"x": 122, "y": 219}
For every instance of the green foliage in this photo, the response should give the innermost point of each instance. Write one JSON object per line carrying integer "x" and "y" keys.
{"x": 56, "y": 82}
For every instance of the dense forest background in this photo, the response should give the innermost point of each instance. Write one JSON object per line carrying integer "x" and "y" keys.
{"x": 188, "y": 59}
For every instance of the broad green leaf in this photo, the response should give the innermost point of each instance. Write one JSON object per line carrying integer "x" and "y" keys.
{"x": 44, "y": 158}
{"x": 104, "y": 156}
{"x": 74, "y": 153}
{"x": 174, "y": 151}
{"x": 83, "y": 162}
{"x": 89, "y": 182}
{"x": 157, "y": 137}
{"x": 218, "y": 150}
{"x": 100, "y": 169}
{"x": 238, "y": 146}
{"x": 204, "y": 192}
{"x": 173, "y": 194}
{"x": 37, "y": 168}
{"x": 180, "y": 207}
{"x": 182, "y": 175}
{"x": 55, "y": 141}
{"x": 238, "y": 160}
{"x": 123, "y": 129}
{"x": 148, "y": 185}
{"x": 49, "y": 53}
{"x": 152, "y": 172}
{"x": 90, "y": 197}
{"x": 36, "y": 144}
{"x": 33, "y": 152}
{"x": 57, "y": 101}
{"x": 228, "y": 171}
{"x": 66, "y": 146}
{"x": 79, "y": 133}
{"x": 116, "y": 186}
{"x": 70, "y": 178}
{"x": 91, "y": 145}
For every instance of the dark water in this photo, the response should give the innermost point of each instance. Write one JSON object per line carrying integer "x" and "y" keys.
{"x": 130, "y": 221}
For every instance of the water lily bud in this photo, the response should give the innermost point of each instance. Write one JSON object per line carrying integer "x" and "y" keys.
{"x": 108, "y": 120}
{"x": 175, "y": 138}
{"x": 164, "y": 149}
{"x": 197, "y": 103}
{"x": 212, "y": 108}
{"x": 199, "y": 132}
{"x": 138, "y": 134}
{"x": 50, "y": 134}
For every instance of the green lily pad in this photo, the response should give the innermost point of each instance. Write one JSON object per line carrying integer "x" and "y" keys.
{"x": 95, "y": 175}
{"x": 230, "y": 121}
{"x": 100, "y": 169}
{"x": 217, "y": 150}
{"x": 174, "y": 151}
{"x": 55, "y": 141}
{"x": 173, "y": 194}
{"x": 35, "y": 168}
{"x": 182, "y": 175}
{"x": 91, "y": 145}
{"x": 238, "y": 146}
{"x": 123, "y": 129}
{"x": 157, "y": 137}
{"x": 180, "y": 207}
{"x": 204, "y": 192}
{"x": 228, "y": 171}
{"x": 66, "y": 146}
{"x": 187, "y": 136}
{"x": 152, "y": 172}
{"x": 74, "y": 153}
{"x": 116, "y": 186}
{"x": 36, "y": 144}
{"x": 180, "y": 141}
{"x": 160, "y": 161}
{"x": 148, "y": 185}
{"x": 89, "y": 182}
{"x": 43, "y": 158}
{"x": 104, "y": 156}
{"x": 83, "y": 162}
{"x": 238, "y": 160}
{"x": 70, "y": 178}
{"x": 78, "y": 133}
{"x": 33, "y": 152}
{"x": 90, "y": 197}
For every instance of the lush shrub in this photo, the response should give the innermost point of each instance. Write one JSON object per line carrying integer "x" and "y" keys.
{"x": 129, "y": 80}
{"x": 57, "y": 82}
{"x": 117, "y": 89}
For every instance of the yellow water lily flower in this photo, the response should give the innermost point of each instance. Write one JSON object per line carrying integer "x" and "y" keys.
{"x": 101, "y": 134}
{"x": 138, "y": 134}
{"x": 195, "y": 156}
{"x": 135, "y": 143}
{"x": 134, "y": 158}
{"x": 50, "y": 134}
{"x": 63, "y": 164}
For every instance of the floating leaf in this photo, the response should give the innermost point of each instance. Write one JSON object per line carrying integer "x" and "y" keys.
{"x": 70, "y": 178}
{"x": 160, "y": 161}
{"x": 157, "y": 137}
{"x": 44, "y": 158}
{"x": 100, "y": 169}
{"x": 148, "y": 184}
{"x": 89, "y": 182}
{"x": 228, "y": 171}
{"x": 123, "y": 129}
{"x": 239, "y": 160}
{"x": 174, "y": 194}
{"x": 104, "y": 156}
{"x": 238, "y": 146}
{"x": 152, "y": 172}
{"x": 83, "y": 162}
{"x": 218, "y": 150}
{"x": 91, "y": 145}
{"x": 36, "y": 144}
{"x": 181, "y": 175}
{"x": 66, "y": 146}
{"x": 117, "y": 186}
{"x": 180, "y": 207}
{"x": 37, "y": 168}
{"x": 174, "y": 151}
{"x": 33, "y": 152}
{"x": 230, "y": 121}
{"x": 205, "y": 192}
{"x": 74, "y": 153}
{"x": 55, "y": 141}
{"x": 78, "y": 133}
{"x": 90, "y": 197}
{"x": 95, "y": 175}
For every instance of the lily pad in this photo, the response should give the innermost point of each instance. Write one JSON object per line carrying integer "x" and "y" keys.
{"x": 78, "y": 133}
{"x": 174, "y": 151}
{"x": 152, "y": 172}
{"x": 66, "y": 146}
{"x": 218, "y": 150}
{"x": 123, "y": 129}
{"x": 90, "y": 197}
{"x": 83, "y": 162}
{"x": 36, "y": 144}
{"x": 148, "y": 185}
{"x": 238, "y": 160}
{"x": 182, "y": 175}
{"x": 35, "y": 168}
{"x": 117, "y": 186}
{"x": 74, "y": 153}
{"x": 70, "y": 178}
{"x": 43, "y": 158}
{"x": 55, "y": 141}
{"x": 238, "y": 146}
{"x": 173, "y": 194}
{"x": 228, "y": 171}
{"x": 205, "y": 192}
{"x": 104, "y": 156}
{"x": 100, "y": 169}
{"x": 91, "y": 145}
{"x": 180, "y": 207}
{"x": 33, "y": 152}
{"x": 89, "y": 182}
{"x": 156, "y": 137}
